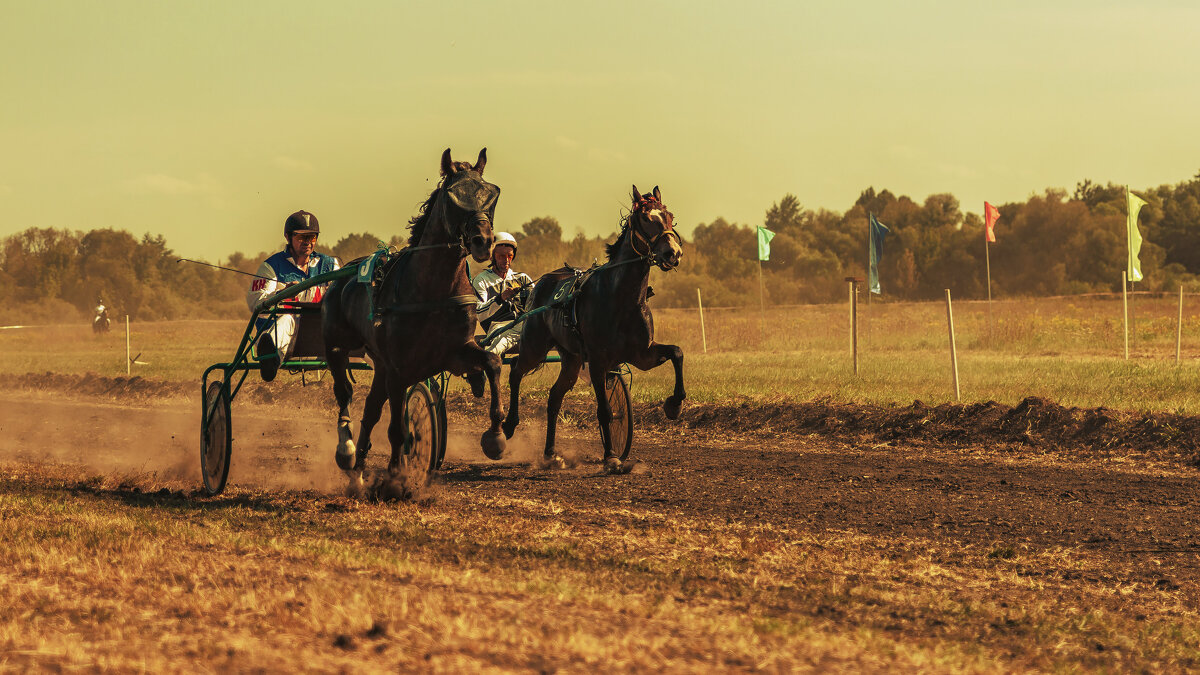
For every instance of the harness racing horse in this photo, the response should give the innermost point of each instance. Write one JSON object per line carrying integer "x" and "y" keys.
{"x": 424, "y": 317}
{"x": 605, "y": 324}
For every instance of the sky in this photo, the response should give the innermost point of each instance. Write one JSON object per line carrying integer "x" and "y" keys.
{"x": 209, "y": 122}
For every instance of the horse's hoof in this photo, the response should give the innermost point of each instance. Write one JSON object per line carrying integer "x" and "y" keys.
{"x": 354, "y": 489}
{"x": 345, "y": 455}
{"x": 493, "y": 444}
{"x": 509, "y": 429}
{"x": 671, "y": 407}
{"x": 396, "y": 489}
{"x": 476, "y": 381}
{"x": 554, "y": 461}
{"x": 612, "y": 465}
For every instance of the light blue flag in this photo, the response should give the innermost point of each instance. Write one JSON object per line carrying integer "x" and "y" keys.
{"x": 878, "y": 232}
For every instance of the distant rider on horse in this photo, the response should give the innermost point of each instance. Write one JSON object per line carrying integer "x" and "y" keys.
{"x": 297, "y": 262}
{"x": 100, "y": 322}
{"x": 501, "y": 289}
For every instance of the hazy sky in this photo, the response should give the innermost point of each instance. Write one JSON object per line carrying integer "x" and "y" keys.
{"x": 210, "y": 121}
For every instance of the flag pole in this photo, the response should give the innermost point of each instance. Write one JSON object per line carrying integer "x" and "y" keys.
{"x": 1125, "y": 309}
{"x": 987, "y": 258}
{"x": 762, "y": 306}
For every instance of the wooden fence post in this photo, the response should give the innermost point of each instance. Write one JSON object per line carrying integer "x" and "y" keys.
{"x": 1179, "y": 326}
{"x": 953, "y": 350}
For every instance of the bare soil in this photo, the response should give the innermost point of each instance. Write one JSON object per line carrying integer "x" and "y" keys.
{"x": 1036, "y": 473}
{"x": 1036, "y": 476}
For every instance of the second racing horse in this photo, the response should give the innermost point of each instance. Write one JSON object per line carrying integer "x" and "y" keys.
{"x": 605, "y": 323}
{"x": 424, "y": 316}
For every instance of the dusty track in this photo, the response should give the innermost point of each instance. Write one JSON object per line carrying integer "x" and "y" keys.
{"x": 1013, "y": 486}
{"x": 935, "y": 472}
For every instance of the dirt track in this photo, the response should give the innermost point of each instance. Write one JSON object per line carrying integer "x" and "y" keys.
{"x": 1124, "y": 498}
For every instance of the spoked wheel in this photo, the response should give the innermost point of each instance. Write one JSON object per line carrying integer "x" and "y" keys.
{"x": 620, "y": 429}
{"x": 216, "y": 438}
{"x": 423, "y": 426}
{"x": 441, "y": 429}
{"x": 437, "y": 390}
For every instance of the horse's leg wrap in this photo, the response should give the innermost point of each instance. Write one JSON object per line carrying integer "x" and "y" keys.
{"x": 346, "y": 454}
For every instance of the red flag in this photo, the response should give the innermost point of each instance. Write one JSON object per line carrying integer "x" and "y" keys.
{"x": 990, "y": 215}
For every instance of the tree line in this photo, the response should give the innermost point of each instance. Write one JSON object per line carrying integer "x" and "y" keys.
{"x": 1054, "y": 243}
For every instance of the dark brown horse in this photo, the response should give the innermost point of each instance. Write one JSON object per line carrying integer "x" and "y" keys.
{"x": 424, "y": 316}
{"x": 608, "y": 322}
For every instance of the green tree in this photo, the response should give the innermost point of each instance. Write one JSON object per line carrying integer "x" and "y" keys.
{"x": 355, "y": 245}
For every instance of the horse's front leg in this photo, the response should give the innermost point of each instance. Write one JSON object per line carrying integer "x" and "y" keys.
{"x": 473, "y": 358}
{"x": 337, "y": 361}
{"x": 655, "y": 356}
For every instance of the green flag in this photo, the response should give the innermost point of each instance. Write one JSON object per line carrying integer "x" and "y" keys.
{"x": 764, "y": 243}
{"x": 1134, "y": 204}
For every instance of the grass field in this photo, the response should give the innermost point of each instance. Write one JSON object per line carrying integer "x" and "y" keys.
{"x": 1069, "y": 350}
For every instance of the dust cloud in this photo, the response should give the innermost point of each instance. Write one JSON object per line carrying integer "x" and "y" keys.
{"x": 275, "y": 446}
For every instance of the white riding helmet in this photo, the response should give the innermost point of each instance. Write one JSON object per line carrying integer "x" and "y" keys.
{"x": 505, "y": 239}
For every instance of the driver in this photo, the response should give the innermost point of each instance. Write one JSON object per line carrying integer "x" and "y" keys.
{"x": 499, "y": 288}
{"x": 297, "y": 262}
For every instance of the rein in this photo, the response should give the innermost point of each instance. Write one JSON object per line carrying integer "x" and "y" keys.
{"x": 444, "y": 304}
{"x": 432, "y": 306}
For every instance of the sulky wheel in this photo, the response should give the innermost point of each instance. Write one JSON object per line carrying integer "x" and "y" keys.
{"x": 441, "y": 430}
{"x": 620, "y": 429}
{"x": 216, "y": 438}
{"x": 423, "y": 426}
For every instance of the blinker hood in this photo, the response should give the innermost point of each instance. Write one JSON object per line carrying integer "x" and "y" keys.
{"x": 474, "y": 195}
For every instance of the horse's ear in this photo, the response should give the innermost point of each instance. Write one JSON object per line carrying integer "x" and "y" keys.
{"x": 657, "y": 195}
{"x": 481, "y": 162}
{"x": 447, "y": 163}
{"x": 637, "y": 196}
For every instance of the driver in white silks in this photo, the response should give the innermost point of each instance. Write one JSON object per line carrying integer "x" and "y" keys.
{"x": 499, "y": 288}
{"x": 297, "y": 262}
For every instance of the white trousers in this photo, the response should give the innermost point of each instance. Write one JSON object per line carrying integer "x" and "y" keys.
{"x": 283, "y": 332}
{"x": 509, "y": 339}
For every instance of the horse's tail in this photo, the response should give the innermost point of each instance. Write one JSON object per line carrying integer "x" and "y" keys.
{"x": 337, "y": 331}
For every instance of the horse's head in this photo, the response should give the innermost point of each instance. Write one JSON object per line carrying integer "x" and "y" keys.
{"x": 652, "y": 230}
{"x": 468, "y": 204}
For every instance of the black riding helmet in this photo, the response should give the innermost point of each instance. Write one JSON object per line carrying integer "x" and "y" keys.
{"x": 300, "y": 222}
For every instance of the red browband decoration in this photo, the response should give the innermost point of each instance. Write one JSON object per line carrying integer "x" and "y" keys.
{"x": 649, "y": 204}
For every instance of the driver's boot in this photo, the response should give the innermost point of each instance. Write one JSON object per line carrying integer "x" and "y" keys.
{"x": 268, "y": 357}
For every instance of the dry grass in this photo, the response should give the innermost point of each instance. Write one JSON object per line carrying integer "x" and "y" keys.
{"x": 110, "y": 574}
{"x": 1068, "y": 350}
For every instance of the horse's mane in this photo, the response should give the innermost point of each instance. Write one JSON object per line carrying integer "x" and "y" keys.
{"x": 417, "y": 224}
{"x": 611, "y": 249}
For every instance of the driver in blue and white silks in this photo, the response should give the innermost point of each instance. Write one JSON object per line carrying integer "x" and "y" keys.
{"x": 499, "y": 288}
{"x": 297, "y": 262}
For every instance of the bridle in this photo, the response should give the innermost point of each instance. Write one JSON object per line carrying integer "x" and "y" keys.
{"x": 646, "y": 205}
{"x": 462, "y": 242}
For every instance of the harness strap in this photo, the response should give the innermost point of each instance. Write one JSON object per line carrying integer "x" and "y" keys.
{"x": 444, "y": 304}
